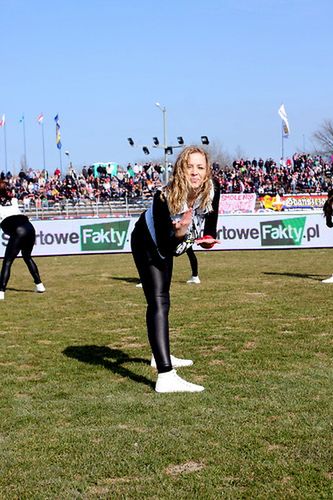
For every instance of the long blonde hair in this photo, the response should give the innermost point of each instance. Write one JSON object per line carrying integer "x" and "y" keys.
{"x": 178, "y": 189}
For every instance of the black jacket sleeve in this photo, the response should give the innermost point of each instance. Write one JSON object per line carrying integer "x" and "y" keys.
{"x": 329, "y": 222}
{"x": 165, "y": 234}
{"x": 212, "y": 217}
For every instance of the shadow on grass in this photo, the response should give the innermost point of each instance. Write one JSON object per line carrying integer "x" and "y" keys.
{"x": 111, "y": 359}
{"x": 19, "y": 290}
{"x": 126, "y": 278}
{"x": 314, "y": 277}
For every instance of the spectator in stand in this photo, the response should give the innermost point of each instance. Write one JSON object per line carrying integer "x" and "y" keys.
{"x": 302, "y": 173}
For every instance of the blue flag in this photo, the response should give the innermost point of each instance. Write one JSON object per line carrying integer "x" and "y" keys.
{"x": 58, "y": 136}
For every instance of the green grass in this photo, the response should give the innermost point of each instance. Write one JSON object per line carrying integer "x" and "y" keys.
{"x": 80, "y": 418}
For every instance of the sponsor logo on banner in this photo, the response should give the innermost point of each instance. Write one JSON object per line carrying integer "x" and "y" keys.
{"x": 282, "y": 232}
{"x": 105, "y": 236}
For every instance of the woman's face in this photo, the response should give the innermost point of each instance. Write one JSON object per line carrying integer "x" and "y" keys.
{"x": 196, "y": 170}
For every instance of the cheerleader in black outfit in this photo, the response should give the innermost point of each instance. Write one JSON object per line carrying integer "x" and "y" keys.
{"x": 167, "y": 229}
{"x": 328, "y": 212}
{"x": 21, "y": 239}
{"x": 194, "y": 266}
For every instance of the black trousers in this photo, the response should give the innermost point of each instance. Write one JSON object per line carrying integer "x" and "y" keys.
{"x": 193, "y": 261}
{"x": 21, "y": 239}
{"x": 155, "y": 275}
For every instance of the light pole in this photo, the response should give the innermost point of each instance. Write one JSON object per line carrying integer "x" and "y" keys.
{"x": 67, "y": 153}
{"x": 165, "y": 139}
{"x": 168, "y": 148}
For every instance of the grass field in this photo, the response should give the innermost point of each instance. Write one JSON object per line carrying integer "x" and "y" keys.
{"x": 79, "y": 415}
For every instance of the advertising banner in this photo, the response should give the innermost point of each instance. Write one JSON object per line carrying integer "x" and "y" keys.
{"x": 275, "y": 230}
{"x": 293, "y": 201}
{"x": 80, "y": 236}
{"x": 242, "y": 202}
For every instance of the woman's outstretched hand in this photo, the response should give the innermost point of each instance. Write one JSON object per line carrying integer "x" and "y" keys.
{"x": 181, "y": 226}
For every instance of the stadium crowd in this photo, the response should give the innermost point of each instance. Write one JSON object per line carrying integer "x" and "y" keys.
{"x": 303, "y": 173}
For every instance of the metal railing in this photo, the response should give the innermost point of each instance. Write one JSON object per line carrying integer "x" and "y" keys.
{"x": 67, "y": 209}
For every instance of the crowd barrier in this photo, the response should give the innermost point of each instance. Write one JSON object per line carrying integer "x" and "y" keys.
{"x": 259, "y": 231}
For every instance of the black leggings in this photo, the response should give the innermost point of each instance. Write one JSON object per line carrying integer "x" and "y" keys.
{"x": 22, "y": 239}
{"x": 155, "y": 275}
{"x": 193, "y": 261}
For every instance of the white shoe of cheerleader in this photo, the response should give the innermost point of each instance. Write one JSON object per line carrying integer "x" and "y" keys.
{"x": 194, "y": 279}
{"x": 171, "y": 382}
{"x": 40, "y": 288}
{"x": 328, "y": 280}
{"x": 2, "y": 295}
{"x": 176, "y": 362}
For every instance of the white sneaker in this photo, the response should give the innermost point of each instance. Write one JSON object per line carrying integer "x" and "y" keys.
{"x": 2, "y": 295}
{"x": 171, "y": 382}
{"x": 40, "y": 288}
{"x": 328, "y": 280}
{"x": 176, "y": 362}
{"x": 194, "y": 279}
{"x": 139, "y": 285}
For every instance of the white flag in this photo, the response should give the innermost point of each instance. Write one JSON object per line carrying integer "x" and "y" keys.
{"x": 284, "y": 118}
{"x": 3, "y": 121}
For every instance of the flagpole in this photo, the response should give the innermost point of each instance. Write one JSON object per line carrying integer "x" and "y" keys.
{"x": 43, "y": 144}
{"x": 24, "y": 142}
{"x": 282, "y": 140}
{"x": 60, "y": 162}
{"x": 5, "y": 143}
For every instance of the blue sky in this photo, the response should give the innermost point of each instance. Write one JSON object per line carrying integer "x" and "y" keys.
{"x": 221, "y": 68}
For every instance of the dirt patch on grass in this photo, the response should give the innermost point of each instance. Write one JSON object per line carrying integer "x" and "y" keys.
{"x": 218, "y": 348}
{"x": 127, "y": 427}
{"x": 273, "y": 447}
{"x": 98, "y": 490}
{"x": 249, "y": 346}
{"x": 25, "y": 366}
{"x": 115, "y": 480}
{"x": 215, "y": 362}
{"x": 102, "y": 488}
{"x": 186, "y": 468}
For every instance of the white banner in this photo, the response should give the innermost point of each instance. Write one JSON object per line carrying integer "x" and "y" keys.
{"x": 235, "y": 232}
{"x": 273, "y": 230}
{"x": 80, "y": 236}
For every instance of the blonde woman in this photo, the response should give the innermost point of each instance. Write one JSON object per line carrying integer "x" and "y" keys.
{"x": 168, "y": 228}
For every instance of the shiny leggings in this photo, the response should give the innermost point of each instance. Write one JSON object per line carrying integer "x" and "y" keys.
{"x": 22, "y": 239}
{"x": 193, "y": 261}
{"x": 155, "y": 275}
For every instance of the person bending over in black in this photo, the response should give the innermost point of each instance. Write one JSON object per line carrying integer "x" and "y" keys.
{"x": 328, "y": 212}
{"x": 167, "y": 229}
{"x": 21, "y": 239}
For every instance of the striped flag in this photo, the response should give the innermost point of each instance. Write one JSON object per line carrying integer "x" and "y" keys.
{"x": 40, "y": 118}
{"x": 284, "y": 118}
{"x": 58, "y": 136}
{"x": 3, "y": 121}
